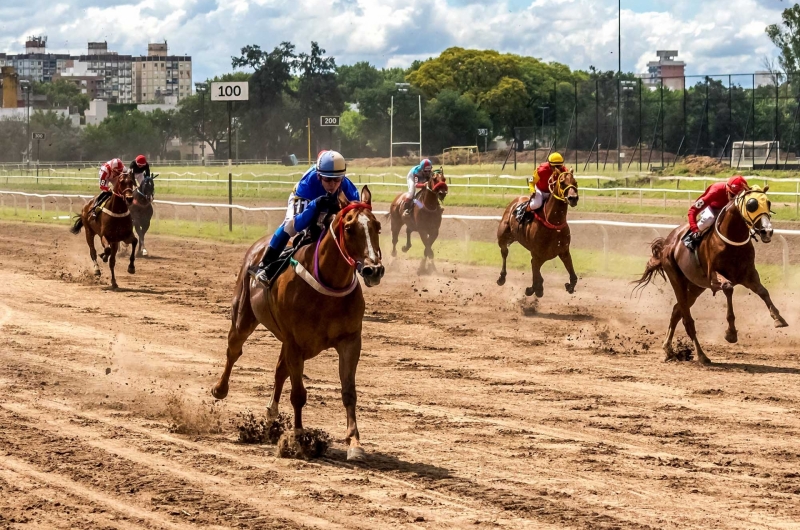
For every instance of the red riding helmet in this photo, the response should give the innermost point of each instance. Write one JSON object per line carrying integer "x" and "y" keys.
{"x": 736, "y": 184}
{"x": 141, "y": 161}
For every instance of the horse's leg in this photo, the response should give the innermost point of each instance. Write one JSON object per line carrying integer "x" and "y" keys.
{"x": 397, "y": 224}
{"x": 349, "y": 353}
{"x": 566, "y": 259}
{"x": 503, "y": 241}
{"x": 673, "y": 323}
{"x": 432, "y": 236}
{"x": 143, "y": 228}
{"x": 281, "y": 373}
{"x": 243, "y": 325}
{"x": 106, "y": 247}
{"x": 731, "y": 335}
{"x": 423, "y": 265}
{"x": 92, "y": 251}
{"x": 753, "y": 282}
{"x": 295, "y": 360}
{"x": 133, "y": 242}
{"x": 408, "y": 239}
{"x": 112, "y": 260}
{"x": 537, "y": 281}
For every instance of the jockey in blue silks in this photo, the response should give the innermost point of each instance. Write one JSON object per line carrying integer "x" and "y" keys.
{"x": 419, "y": 174}
{"x": 313, "y": 198}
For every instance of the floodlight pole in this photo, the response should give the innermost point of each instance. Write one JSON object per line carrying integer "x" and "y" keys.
{"x": 420, "y": 125}
{"x": 391, "y": 132}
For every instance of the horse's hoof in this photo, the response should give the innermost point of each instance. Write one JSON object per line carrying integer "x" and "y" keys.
{"x": 219, "y": 392}
{"x": 131, "y": 269}
{"x": 356, "y": 454}
{"x": 780, "y": 323}
{"x": 501, "y": 281}
{"x": 394, "y": 252}
{"x": 105, "y": 258}
{"x": 569, "y": 287}
{"x": 114, "y": 286}
{"x": 528, "y": 291}
{"x": 405, "y": 249}
{"x": 97, "y": 272}
{"x": 702, "y": 359}
{"x": 539, "y": 294}
{"x": 144, "y": 252}
{"x": 732, "y": 337}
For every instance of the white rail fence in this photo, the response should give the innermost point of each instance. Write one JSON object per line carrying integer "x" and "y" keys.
{"x": 262, "y": 227}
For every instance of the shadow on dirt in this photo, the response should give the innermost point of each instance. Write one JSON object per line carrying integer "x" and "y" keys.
{"x": 755, "y": 368}
{"x": 532, "y": 312}
{"x": 384, "y": 462}
{"x": 129, "y": 290}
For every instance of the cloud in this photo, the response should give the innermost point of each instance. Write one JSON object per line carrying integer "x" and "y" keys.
{"x": 712, "y": 36}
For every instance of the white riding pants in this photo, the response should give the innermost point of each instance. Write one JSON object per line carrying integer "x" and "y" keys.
{"x": 706, "y": 219}
{"x": 539, "y": 198}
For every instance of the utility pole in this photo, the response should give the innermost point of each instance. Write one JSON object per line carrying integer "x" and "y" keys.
{"x": 619, "y": 85}
{"x": 26, "y": 87}
{"x": 201, "y": 89}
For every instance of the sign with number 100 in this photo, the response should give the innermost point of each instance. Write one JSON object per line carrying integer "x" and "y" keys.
{"x": 230, "y": 91}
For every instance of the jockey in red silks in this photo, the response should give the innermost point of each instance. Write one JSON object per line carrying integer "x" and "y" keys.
{"x": 709, "y": 205}
{"x": 109, "y": 175}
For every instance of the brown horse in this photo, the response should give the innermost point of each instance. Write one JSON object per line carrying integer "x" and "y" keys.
{"x": 546, "y": 236}
{"x": 113, "y": 224}
{"x": 725, "y": 257}
{"x": 426, "y": 217}
{"x": 314, "y": 305}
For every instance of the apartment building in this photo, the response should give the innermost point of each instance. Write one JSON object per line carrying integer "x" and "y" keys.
{"x": 160, "y": 77}
{"x": 666, "y": 70}
{"x": 107, "y": 75}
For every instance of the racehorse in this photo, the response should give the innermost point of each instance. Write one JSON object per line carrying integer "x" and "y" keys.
{"x": 314, "y": 305}
{"x": 725, "y": 257}
{"x": 426, "y": 216}
{"x": 142, "y": 209}
{"x": 113, "y": 225}
{"x": 546, "y": 236}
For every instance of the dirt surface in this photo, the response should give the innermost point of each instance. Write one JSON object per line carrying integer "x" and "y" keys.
{"x": 478, "y": 407}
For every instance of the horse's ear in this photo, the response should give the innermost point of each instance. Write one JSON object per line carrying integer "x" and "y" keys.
{"x": 366, "y": 195}
{"x": 766, "y": 188}
{"x": 154, "y": 175}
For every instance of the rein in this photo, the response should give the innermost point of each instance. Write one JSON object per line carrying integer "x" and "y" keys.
{"x": 314, "y": 279}
{"x": 340, "y": 227}
{"x": 558, "y": 192}
{"x": 108, "y": 212}
{"x": 739, "y": 203}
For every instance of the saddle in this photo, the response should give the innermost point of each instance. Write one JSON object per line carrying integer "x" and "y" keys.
{"x": 522, "y": 214}
{"x": 279, "y": 266}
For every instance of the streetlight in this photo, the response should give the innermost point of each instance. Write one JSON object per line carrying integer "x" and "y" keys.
{"x": 202, "y": 88}
{"x": 619, "y": 86}
{"x": 403, "y": 88}
{"x": 25, "y": 85}
{"x": 544, "y": 110}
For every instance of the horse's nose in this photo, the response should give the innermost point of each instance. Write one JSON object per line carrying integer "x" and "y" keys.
{"x": 573, "y": 201}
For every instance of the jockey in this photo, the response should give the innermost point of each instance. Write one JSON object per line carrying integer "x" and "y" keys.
{"x": 140, "y": 169}
{"x": 109, "y": 175}
{"x": 539, "y": 183}
{"x": 313, "y": 198}
{"x": 709, "y": 205}
{"x": 419, "y": 174}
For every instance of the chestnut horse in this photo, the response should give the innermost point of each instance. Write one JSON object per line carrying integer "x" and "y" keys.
{"x": 113, "y": 224}
{"x": 726, "y": 257}
{"x": 546, "y": 236}
{"x": 426, "y": 216}
{"x": 314, "y": 305}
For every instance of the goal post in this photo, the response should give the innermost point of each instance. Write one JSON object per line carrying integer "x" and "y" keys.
{"x": 456, "y": 154}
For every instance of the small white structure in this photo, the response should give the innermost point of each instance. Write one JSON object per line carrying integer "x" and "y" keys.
{"x": 98, "y": 111}
{"x": 745, "y": 154}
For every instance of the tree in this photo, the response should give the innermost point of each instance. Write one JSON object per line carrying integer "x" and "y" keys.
{"x": 451, "y": 119}
{"x": 786, "y": 37}
{"x": 62, "y": 94}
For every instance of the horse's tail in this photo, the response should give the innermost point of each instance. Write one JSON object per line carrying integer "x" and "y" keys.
{"x": 654, "y": 264}
{"x": 76, "y": 228}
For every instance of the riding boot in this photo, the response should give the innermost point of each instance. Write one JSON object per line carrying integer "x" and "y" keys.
{"x": 691, "y": 240}
{"x": 409, "y": 208}
{"x": 96, "y": 206}
{"x": 259, "y": 272}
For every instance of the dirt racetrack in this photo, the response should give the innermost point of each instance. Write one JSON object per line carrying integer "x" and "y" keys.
{"x": 478, "y": 408}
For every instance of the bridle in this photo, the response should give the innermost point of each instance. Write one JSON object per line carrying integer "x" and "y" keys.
{"x": 340, "y": 229}
{"x": 559, "y": 192}
{"x": 739, "y": 202}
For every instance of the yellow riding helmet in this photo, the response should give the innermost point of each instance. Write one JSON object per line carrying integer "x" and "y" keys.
{"x": 556, "y": 159}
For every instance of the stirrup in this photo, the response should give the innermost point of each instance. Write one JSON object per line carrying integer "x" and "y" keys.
{"x": 258, "y": 273}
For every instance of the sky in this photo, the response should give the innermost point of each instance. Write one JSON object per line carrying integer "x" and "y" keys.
{"x": 712, "y": 36}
